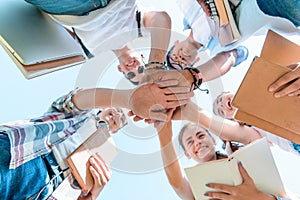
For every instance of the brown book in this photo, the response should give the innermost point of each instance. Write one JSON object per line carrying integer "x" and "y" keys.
{"x": 228, "y": 30}
{"x": 36, "y": 44}
{"x": 256, "y": 105}
{"x": 222, "y": 13}
{"x": 78, "y": 161}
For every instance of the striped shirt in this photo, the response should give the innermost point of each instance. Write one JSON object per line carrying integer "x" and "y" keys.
{"x": 36, "y": 137}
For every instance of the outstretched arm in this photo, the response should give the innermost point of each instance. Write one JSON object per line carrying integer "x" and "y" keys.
{"x": 171, "y": 163}
{"x": 159, "y": 25}
{"x": 226, "y": 129}
{"x": 141, "y": 100}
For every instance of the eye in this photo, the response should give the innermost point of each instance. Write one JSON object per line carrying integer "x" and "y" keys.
{"x": 222, "y": 113}
{"x": 200, "y": 135}
{"x": 189, "y": 143}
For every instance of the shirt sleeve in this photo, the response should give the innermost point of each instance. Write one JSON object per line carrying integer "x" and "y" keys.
{"x": 65, "y": 104}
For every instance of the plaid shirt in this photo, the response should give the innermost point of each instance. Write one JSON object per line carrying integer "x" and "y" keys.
{"x": 37, "y": 136}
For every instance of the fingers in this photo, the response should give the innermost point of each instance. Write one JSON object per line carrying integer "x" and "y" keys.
{"x": 158, "y": 116}
{"x": 177, "y": 90}
{"x": 167, "y": 83}
{"x": 100, "y": 171}
{"x": 217, "y": 195}
{"x": 221, "y": 187}
{"x": 174, "y": 104}
{"x": 291, "y": 90}
{"x": 285, "y": 79}
{"x": 244, "y": 173}
{"x": 178, "y": 97}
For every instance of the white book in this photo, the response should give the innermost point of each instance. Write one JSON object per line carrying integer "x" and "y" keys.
{"x": 256, "y": 158}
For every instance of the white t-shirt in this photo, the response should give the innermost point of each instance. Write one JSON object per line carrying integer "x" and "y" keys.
{"x": 106, "y": 28}
{"x": 196, "y": 20}
{"x": 249, "y": 18}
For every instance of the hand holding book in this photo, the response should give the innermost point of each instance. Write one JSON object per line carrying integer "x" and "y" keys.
{"x": 246, "y": 190}
{"x": 221, "y": 19}
{"x": 290, "y": 80}
{"x": 101, "y": 175}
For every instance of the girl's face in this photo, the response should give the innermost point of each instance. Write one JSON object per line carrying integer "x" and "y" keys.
{"x": 223, "y": 107}
{"x": 198, "y": 144}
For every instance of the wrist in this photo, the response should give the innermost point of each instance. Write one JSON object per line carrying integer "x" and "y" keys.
{"x": 151, "y": 66}
{"x": 196, "y": 77}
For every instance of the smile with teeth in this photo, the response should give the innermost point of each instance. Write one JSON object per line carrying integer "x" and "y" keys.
{"x": 200, "y": 149}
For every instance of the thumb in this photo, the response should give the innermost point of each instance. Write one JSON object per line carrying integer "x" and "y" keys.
{"x": 246, "y": 177}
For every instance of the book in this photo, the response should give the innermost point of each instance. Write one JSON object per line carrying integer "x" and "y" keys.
{"x": 255, "y": 157}
{"x": 35, "y": 43}
{"x": 228, "y": 31}
{"x": 256, "y": 105}
{"x": 78, "y": 161}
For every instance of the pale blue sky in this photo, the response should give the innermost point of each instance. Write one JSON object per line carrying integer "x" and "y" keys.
{"x": 23, "y": 99}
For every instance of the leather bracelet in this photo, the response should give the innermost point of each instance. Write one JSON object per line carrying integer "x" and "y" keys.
{"x": 155, "y": 65}
{"x": 197, "y": 77}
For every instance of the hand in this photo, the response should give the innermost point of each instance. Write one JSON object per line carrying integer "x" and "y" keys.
{"x": 246, "y": 191}
{"x": 186, "y": 112}
{"x": 101, "y": 175}
{"x": 288, "y": 84}
{"x": 184, "y": 77}
{"x": 150, "y": 100}
{"x": 205, "y": 7}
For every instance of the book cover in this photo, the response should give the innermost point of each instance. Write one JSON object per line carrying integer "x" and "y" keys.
{"x": 278, "y": 116}
{"x": 35, "y": 43}
{"x": 78, "y": 161}
{"x": 228, "y": 32}
{"x": 39, "y": 69}
{"x": 254, "y": 99}
{"x": 255, "y": 157}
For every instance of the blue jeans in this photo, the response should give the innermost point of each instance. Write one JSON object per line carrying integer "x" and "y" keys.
{"x": 26, "y": 180}
{"x": 69, "y": 7}
{"x": 289, "y": 9}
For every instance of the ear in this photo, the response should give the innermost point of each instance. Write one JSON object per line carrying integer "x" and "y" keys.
{"x": 119, "y": 68}
{"x": 187, "y": 155}
{"x": 176, "y": 42}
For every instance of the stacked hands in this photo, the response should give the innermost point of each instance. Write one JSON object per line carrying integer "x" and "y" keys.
{"x": 164, "y": 92}
{"x": 159, "y": 92}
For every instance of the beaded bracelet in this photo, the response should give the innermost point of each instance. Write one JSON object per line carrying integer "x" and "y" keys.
{"x": 197, "y": 77}
{"x": 155, "y": 65}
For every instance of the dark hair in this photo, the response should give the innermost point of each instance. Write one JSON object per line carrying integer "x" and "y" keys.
{"x": 168, "y": 57}
{"x": 133, "y": 82}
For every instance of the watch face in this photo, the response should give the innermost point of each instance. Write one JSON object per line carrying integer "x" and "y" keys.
{"x": 101, "y": 124}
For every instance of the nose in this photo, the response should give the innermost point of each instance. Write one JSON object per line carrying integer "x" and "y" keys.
{"x": 197, "y": 143}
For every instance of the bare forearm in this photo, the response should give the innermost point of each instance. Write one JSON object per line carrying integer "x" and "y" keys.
{"x": 101, "y": 97}
{"x": 159, "y": 25}
{"x": 224, "y": 128}
{"x": 172, "y": 166}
